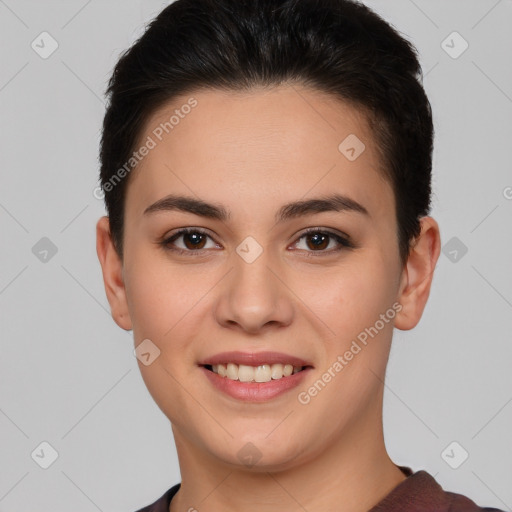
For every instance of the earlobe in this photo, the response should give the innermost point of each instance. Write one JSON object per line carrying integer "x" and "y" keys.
{"x": 417, "y": 274}
{"x": 112, "y": 269}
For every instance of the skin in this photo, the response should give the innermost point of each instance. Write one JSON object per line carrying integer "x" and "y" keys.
{"x": 252, "y": 152}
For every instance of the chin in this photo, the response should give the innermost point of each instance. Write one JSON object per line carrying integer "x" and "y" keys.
{"x": 257, "y": 454}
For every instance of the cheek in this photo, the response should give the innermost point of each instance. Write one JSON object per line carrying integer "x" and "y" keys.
{"x": 161, "y": 294}
{"x": 347, "y": 299}
{"x": 351, "y": 303}
{"x": 164, "y": 302}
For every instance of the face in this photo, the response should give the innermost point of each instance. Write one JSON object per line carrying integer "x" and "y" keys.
{"x": 257, "y": 281}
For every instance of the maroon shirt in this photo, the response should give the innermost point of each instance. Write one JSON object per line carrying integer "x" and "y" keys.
{"x": 418, "y": 493}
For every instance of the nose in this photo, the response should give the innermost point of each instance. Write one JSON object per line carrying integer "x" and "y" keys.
{"x": 252, "y": 298}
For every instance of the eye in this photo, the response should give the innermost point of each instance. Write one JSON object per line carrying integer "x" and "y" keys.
{"x": 193, "y": 241}
{"x": 189, "y": 240}
{"x": 323, "y": 241}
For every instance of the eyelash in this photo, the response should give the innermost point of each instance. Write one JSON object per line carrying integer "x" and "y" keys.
{"x": 344, "y": 242}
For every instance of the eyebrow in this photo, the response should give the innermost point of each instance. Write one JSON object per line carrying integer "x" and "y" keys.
{"x": 335, "y": 202}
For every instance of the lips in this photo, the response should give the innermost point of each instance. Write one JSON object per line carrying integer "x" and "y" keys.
{"x": 254, "y": 359}
{"x": 244, "y": 375}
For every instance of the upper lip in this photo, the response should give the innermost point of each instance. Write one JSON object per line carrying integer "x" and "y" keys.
{"x": 254, "y": 359}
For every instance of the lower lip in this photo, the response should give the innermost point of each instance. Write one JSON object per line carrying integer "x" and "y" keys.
{"x": 255, "y": 391}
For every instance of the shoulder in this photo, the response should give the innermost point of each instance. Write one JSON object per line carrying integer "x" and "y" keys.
{"x": 162, "y": 503}
{"x": 420, "y": 492}
{"x": 460, "y": 503}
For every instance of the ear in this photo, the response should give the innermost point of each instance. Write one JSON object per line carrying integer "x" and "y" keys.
{"x": 112, "y": 269}
{"x": 417, "y": 274}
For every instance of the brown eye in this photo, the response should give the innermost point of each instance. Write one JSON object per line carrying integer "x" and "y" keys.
{"x": 323, "y": 242}
{"x": 318, "y": 241}
{"x": 189, "y": 240}
{"x": 194, "y": 240}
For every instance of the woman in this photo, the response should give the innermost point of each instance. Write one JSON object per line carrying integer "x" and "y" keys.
{"x": 267, "y": 174}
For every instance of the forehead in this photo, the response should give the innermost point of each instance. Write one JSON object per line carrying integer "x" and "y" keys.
{"x": 258, "y": 142}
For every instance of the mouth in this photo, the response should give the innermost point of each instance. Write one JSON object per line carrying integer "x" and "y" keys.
{"x": 265, "y": 372}
{"x": 255, "y": 367}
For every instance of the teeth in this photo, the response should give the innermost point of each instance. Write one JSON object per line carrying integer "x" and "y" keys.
{"x": 261, "y": 373}
{"x": 232, "y": 371}
{"x": 245, "y": 373}
{"x": 276, "y": 371}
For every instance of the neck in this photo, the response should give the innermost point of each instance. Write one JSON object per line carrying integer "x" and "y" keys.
{"x": 352, "y": 475}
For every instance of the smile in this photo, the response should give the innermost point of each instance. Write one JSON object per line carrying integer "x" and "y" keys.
{"x": 254, "y": 376}
{"x": 260, "y": 373}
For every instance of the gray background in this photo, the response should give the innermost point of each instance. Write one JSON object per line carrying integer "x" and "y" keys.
{"x": 67, "y": 372}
